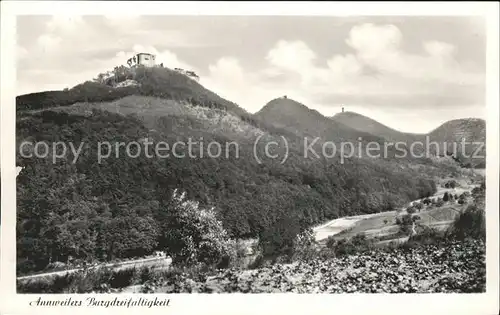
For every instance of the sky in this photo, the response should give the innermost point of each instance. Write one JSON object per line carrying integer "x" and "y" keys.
{"x": 410, "y": 73}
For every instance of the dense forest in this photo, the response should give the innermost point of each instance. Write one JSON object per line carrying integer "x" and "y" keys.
{"x": 102, "y": 211}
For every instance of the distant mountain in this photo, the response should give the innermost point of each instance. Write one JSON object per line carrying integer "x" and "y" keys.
{"x": 453, "y": 131}
{"x": 469, "y": 129}
{"x": 366, "y": 124}
{"x": 469, "y": 136}
{"x": 295, "y": 117}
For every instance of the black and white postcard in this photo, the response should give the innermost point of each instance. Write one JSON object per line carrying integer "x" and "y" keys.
{"x": 248, "y": 158}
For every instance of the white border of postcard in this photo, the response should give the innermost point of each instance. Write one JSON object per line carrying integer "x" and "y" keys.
{"x": 486, "y": 303}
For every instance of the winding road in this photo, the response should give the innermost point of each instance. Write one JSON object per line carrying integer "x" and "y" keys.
{"x": 132, "y": 263}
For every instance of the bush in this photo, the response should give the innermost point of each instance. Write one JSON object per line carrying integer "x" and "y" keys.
{"x": 194, "y": 235}
{"x": 330, "y": 242}
{"x": 428, "y": 236}
{"x": 446, "y": 197}
{"x": 357, "y": 244}
{"x": 451, "y": 184}
{"x": 411, "y": 210}
{"x": 305, "y": 246}
{"x": 439, "y": 202}
{"x": 469, "y": 224}
{"x": 405, "y": 224}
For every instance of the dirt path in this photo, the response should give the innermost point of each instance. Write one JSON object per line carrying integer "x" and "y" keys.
{"x": 117, "y": 266}
{"x": 338, "y": 225}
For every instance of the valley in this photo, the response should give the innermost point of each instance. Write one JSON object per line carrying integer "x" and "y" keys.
{"x": 113, "y": 213}
{"x": 383, "y": 224}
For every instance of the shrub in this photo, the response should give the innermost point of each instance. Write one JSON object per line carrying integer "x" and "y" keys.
{"x": 305, "y": 245}
{"x": 279, "y": 238}
{"x": 257, "y": 263}
{"x": 195, "y": 235}
{"x": 439, "y": 202}
{"x": 357, "y": 244}
{"x": 469, "y": 224}
{"x": 405, "y": 224}
{"x": 427, "y": 236}
{"x": 411, "y": 210}
{"x": 330, "y": 242}
{"x": 446, "y": 197}
{"x": 451, "y": 184}
{"x": 237, "y": 255}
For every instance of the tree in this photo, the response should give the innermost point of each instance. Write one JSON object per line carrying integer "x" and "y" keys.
{"x": 406, "y": 224}
{"x": 193, "y": 234}
{"x": 439, "y": 202}
{"x": 330, "y": 242}
{"x": 411, "y": 210}
{"x": 446, "y": 197}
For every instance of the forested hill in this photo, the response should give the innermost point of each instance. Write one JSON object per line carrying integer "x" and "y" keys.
{"x": 447, "y": 135}
{"x": 115, "y": 208}
{"x": 366, "y": 124}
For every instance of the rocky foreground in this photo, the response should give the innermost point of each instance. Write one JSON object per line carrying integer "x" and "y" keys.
{"x": 458, "y": 267}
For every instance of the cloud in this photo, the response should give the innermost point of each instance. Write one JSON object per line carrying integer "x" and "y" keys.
{"x": 378, "y": 73}
{"x": 126, "y": 23}
{"x": 439, "y": 49}
{"x": 65, "y": 23}
{"x": 370, "y": 67}
{"x": 48, "y": 42}
{"x": 293, "y": 55}
{"x": 249, "y": 89}
{"x": 397, "y": 78}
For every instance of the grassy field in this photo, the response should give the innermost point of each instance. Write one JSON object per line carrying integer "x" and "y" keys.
{"x": 384, "y": 224}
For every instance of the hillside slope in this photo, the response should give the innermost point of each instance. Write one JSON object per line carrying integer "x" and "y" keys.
{"x": 307, "y": 123}
{"x": 472, "y": 130}
{"x": 366, "y": 124}
{"x": 159, "y": 82}
{"x": 113, "y": 208}
{"x": 472, "y": 152}
{"x": 298, "y": 118}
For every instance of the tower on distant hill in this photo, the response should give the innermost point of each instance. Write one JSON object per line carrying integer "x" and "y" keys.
{"x": 342, "y": 109}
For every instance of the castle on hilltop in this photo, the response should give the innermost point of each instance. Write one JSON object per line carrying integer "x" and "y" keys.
{"x": 143, "y": 59}
{"x": 149, "y": 60}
